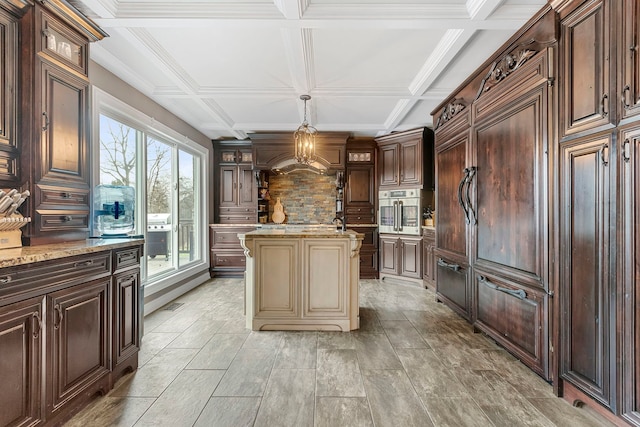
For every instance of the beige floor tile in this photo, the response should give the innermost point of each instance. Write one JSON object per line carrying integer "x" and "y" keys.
{"x": 248, "y": 373}
{"x": 289, "y": 399}
{"x": 219, "y": 352}
{"x": 229, "y": 412}
{"x": 375, "y": 352}
{"x": 338, "y": 374}
{"x": 298, "y": 350}
{"x": 342, "y": 411}
{"x": 402, "y": 334}
{"x": 456, "y": 412}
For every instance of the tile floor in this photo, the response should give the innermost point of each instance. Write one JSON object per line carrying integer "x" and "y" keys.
{"x": 413, "y": 362}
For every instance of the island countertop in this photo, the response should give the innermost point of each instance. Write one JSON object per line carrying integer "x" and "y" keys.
{"x": 303, "y": 232}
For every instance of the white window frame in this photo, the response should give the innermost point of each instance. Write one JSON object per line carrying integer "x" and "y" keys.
{"x": 104, "y": 103}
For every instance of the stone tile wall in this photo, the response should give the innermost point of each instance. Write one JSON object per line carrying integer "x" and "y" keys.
{"x": 306, "y": 197}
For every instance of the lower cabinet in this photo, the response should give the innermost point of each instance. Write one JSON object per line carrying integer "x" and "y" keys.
{"x": 453, "y": 285}
{"x": 401, "y": 257}
{"x": 227, "y": 257}
{"x": 21, "y": 340}
{"x": 428, "y": 261}
{"x": 68, "y": 328}
{"x": 368, "y": 252}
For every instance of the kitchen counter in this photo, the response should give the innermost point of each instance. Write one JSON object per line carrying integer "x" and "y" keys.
{"x": 30, "y": 254}
{"x": 302, "y": 278}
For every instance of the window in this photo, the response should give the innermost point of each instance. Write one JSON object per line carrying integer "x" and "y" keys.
{"x": 167, "y": 173}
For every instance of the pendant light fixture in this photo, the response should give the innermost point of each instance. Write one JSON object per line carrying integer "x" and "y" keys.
{"x": 305, "y": 138}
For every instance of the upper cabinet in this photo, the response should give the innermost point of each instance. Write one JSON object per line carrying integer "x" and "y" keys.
{"x": 55, "y": 111}
{"x": 9, "y": 147}
{"x": 406, "y": 159}
{"x": 360, "y": 182}
{"x": 587, "y": 99}
{"x": 630, "y": 58}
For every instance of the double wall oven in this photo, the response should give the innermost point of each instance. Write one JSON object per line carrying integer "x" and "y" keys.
{"x": 400, "y": 211}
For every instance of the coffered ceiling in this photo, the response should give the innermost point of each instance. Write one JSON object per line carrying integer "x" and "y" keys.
{"x": 232, "y": 67}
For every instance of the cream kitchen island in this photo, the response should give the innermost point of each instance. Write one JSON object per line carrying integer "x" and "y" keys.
{"x": 302, "y": 279}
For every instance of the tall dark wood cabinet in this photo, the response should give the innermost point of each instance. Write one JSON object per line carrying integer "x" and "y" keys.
{"x": 360, "y": 201}
{"x": 10, "y": 12}
{"x": 492, "y": 164}
{"x": 237, "y": 194}
{"x": 453, "y": 183}
{"x": 54, "y": 95}
{"x": 402, "y": 159}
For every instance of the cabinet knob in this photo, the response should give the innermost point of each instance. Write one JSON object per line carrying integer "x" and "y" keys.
{"x": 67, "y": 218}
{"x": 5, "y": 280}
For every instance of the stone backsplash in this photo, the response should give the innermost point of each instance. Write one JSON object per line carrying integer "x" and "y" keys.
{"x": 307, "y": 197}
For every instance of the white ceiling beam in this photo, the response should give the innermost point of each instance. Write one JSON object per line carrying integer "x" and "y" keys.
{"x": 292, "y": 9}
{"x": 445, "y": 51}
{"x": 482, "y": 9}
{"x": 165, "y": 64}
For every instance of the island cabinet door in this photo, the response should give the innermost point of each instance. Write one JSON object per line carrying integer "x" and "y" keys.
{"x": 278, "y": 281}
{"x": 325, "y": 278}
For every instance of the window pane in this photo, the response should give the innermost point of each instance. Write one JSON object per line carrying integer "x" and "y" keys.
{"x": 159, "y": 178}
{"x": 187, "y": 208}
{"x": 117, "y": 153}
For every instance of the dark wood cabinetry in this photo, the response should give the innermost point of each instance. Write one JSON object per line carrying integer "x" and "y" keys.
{"x": 368, "y": 252}
{"x": 9, "y": 141}
{"x": 401, "y": 256}
{"x": 68, "y": 328}
{"x": 406, "y": 159}
{"x": 237, "y": 188}
{"x": 428, "y": 257}
{"x": 227, "y": 255}
{"x": 21, "y": 341}
{"x": 630, "y": 58}
{"x": 54, "y": 88}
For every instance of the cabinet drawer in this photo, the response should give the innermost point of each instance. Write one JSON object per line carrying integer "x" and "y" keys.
{"x": 360, "y": 219}
{"x": 522, "y": 331}
{"x": 238, "y": 219}
{"x": 228, "y": 237}
{"x": 237, "y": 211}
{"x": 61, "y": 196}
{"x": 363, "y": 211}
{"x": 62, "y": 44}
{"x": 52, "y": 220}
{"x": 20, "y": 282}
{"x": 229, "y": 259}
{"x": 452, "y": 286}
{"x": 124, "y": 258}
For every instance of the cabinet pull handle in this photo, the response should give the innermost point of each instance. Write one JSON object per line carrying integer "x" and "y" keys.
{"x": 605, "y": 105}
{"x": 454, "y": 267}
{"x": 66, "y": 195}
{"x": 460, "y": 188}
{"x": 604, "y": 154}
{"x": 518, "y": 293}
{"x": 59, "y": 317}
{"x": 67, "y": 218}
{"x": 625, "y": 97}
{"x": 83, "y": 264}
{"x": 37, "y": 324}
{"x": 471, "y": 219}
{"x": 240, "y": 185}
{"x": 5, "y": 280}
{"x": 46, "y": 121}
{"x": 626, "y": 153}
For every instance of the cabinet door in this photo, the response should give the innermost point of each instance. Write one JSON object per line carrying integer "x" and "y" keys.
{"x": 629, "y": 269}
{"x": 64, "y": 127}
{"x": 21, "y": 342}
{"x": 389, "y": 165}
{"x": 411, "y": 257}
{"x": 78, "y": 347}
{"x": 389, "y": 255}
{"x": 451, "y": 160}
{"x": 126, "y": 318}
{"x": 228, "y": 185}
{"x": 360, "y": 186}
{"x": 585, "y": 89}
{"x": 586, "y": 318}
{"x": 428, "y": 261}
{"x": 411, "y": 163}
{"x": 630, "y": 56}
{"x": 510, "y": 182}
{"x": 8, "y": 99}
{"x": 247, "y": 193}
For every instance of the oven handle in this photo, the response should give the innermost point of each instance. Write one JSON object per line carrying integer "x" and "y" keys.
{"x": 400, "y": 214}
{"x": 395, "y": 215}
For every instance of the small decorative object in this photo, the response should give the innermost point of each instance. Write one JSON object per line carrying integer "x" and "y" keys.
{"x": 278, "y": 212}
{"x": 427, "y": 215}
{"x": 10, "y": 219}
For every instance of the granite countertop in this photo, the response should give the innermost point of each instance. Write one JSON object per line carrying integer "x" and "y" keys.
{"x": 274, "y": 225}
{"x": 30, "y": 254}
{"x": 303, "y": 232}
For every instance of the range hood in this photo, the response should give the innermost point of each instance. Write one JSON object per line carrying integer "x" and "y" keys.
{"x": 275, "y": 152}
